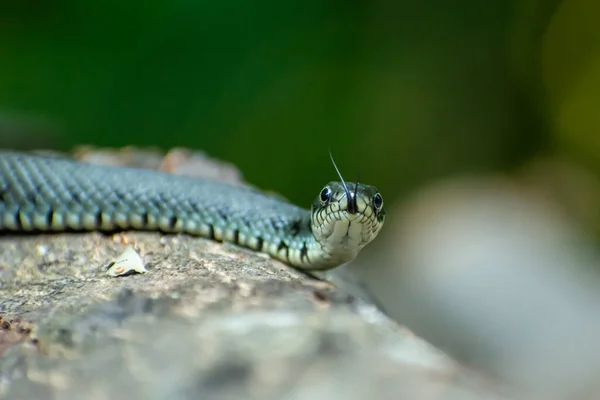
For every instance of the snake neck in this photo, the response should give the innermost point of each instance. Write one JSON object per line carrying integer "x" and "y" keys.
{"x": 294, "y": 243}
{"x": 298, "y": 245}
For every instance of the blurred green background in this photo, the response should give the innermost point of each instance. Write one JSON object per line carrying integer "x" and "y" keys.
{"x": 401, "y": 92}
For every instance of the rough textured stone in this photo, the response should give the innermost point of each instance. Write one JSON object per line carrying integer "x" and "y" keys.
{"x": 208, "y": 320}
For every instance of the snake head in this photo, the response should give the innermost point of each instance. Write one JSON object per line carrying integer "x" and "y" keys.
{"x": 345, "y": 218}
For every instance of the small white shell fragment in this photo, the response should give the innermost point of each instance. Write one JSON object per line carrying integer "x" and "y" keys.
{"x": 42, "y": 250}
{"x": 129, "y": 261}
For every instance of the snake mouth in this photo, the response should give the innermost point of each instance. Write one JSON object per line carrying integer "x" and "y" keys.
{"x": 352, "y": 216}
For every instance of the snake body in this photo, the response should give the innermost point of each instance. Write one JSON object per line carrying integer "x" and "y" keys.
{"x": 50, "y": 194}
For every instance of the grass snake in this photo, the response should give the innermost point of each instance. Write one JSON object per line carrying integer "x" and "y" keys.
{"x": 51, "y": 194}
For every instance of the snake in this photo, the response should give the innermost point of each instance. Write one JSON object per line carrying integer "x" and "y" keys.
{"x": 49, "y": 194}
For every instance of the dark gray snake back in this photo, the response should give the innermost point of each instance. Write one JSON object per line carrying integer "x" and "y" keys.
{"x": 53, "y": 194}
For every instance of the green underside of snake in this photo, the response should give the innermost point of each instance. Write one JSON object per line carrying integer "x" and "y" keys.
{"x": 51, "y": 194}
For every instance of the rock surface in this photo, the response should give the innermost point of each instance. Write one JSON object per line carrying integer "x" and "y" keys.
{"x": 207, "y": 320}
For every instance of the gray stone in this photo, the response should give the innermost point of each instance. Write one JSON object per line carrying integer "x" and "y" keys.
{"x": 207, "y": 320}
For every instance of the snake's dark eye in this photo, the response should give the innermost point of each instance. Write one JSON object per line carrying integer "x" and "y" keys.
{"x": 377, "y": 201}
{"x": 325, "y": 195}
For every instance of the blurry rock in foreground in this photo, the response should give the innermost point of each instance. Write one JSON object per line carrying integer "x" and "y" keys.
{"x": 500, "y": 276}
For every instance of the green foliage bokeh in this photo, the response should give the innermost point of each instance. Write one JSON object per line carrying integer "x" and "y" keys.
{"x": 401, "y": 92}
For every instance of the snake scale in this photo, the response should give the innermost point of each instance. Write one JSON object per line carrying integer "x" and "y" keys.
{"x": 50, "y": 194}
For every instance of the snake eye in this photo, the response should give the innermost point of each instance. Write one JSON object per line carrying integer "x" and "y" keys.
{"x": 377, "y": 201}
{"x": 325, "y": 195}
